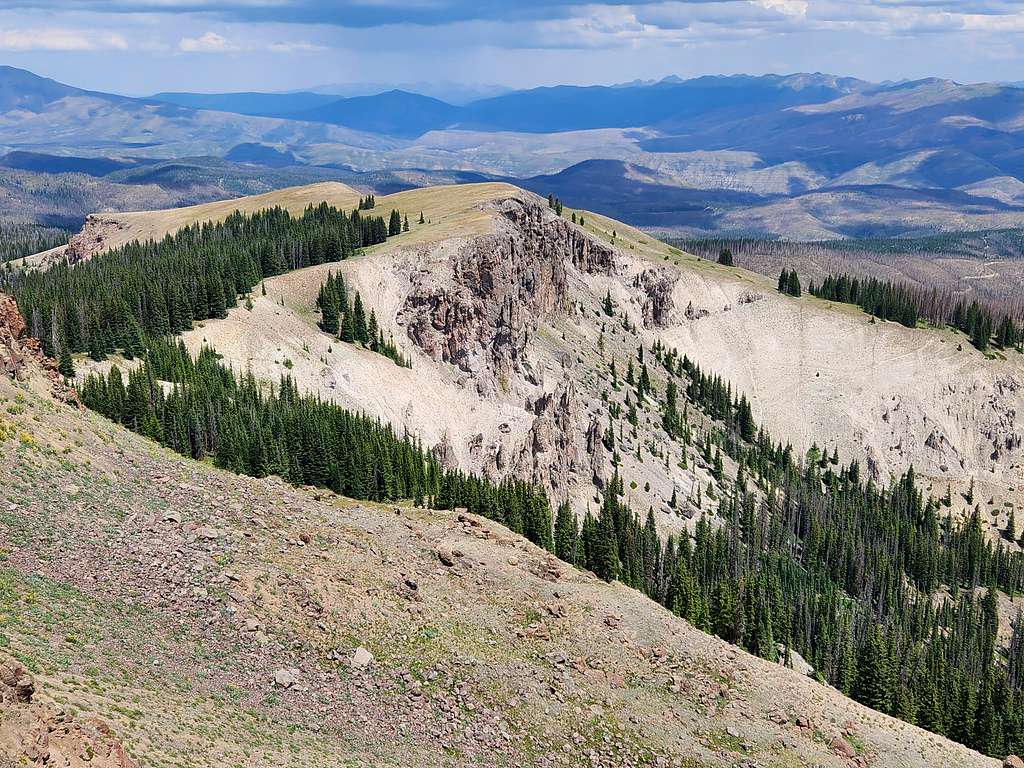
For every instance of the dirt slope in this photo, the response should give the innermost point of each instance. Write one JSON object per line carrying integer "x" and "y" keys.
{"x": 205, "y": 619}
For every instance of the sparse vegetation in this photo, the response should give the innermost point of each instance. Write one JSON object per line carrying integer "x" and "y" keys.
{"x": 347, "y": 320}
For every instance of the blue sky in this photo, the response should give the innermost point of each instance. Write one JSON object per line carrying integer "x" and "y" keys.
{"x": 143, "y": 46}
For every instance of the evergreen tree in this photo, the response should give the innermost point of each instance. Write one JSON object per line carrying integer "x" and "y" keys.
{"x": 361, "y": 334}
{"x": 66, "y": 366}
{"x": 607, "y": 306}
{"x": 566, "y": 533}
{"x": 872, "y": 686}
{"x": 793, "y": 284}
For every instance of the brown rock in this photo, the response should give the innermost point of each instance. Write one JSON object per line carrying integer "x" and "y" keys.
{"x": 21, "y": 357}
{"x": 25, "y": 688}
{"x": 842, "y": 747}
{"x": 446, "y": 556}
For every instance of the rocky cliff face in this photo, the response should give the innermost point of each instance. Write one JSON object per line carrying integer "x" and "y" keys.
{"x": 22, "y": 358}
{"x": 481, "y": 314}
{"x": 656, "y": 286}
{"x": 553, "y": 452}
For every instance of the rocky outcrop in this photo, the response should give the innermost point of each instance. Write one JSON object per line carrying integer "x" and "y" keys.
{"x": 555, "y": 448}
{"x": 600, "y": 463}
{"x": 21, "y": 357}
{"x": 480, "y": 312}
{"x": 658, "y": 306}
{"x": 37, "y": 733}
{"x": 92, "y": 239}
{"x": 444, "y": 452}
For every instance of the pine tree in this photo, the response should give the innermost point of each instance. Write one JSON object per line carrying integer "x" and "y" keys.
{"x": 607, "y": 306}
{"x": 66, "y": 366}
{"x": 793, "y": 284}
{"x": 872, "y": 684}
{"x": 347, "y": 332}
{"x": 566, "y": 533}
{"x": 329, "y": 310}
{"x": 784, "y": 281}
{"x": 360, "y": 332}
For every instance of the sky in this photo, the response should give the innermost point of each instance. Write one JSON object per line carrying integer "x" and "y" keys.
{"x": 139, "y": 47}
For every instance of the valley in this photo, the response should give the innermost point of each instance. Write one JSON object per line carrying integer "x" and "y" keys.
{"x": 801, "y": 157}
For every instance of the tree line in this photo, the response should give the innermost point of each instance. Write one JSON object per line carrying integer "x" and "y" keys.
{"x": 905, "y": 303}
{"x": 162, "y": 287}
{"x": 253, "y": 429}
{"x": 990, "y": 313}
{"x": 20, "y": 239}
{"x": 883, "y": 299}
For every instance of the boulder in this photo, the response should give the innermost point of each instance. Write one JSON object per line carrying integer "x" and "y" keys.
{"x": 286, "y": 678}
{"x": 361, "y": 658}
{"x": 446, "y": 556}
{"x": 842, "y": 747}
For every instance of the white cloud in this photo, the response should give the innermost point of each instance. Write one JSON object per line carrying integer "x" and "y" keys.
{"x": 786, "y": 7}
{"x": 213, "y": 42}
{"x": 296, "y": 47}
{"x": 208, "y": 42}
{"x": 55, "y": 39}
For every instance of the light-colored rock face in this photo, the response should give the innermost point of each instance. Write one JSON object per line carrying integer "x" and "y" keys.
{"x": 815, "y": 372}
{"x": 884, "y": 394}
{"x": 499, "y": 304}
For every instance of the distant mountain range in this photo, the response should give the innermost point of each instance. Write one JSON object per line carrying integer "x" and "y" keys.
{"x": 801, "y": 154}
{"x": 539, "y": 110}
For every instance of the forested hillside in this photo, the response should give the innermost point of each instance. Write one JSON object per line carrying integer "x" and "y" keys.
{"x": 249, "y": 430}
{"x": 940, "y": 270}
{"x": 18, "y": 240}
{"x": 983, "y": 325}
{"x": 161, "y": 288}
{"x": 805, "y": 557}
